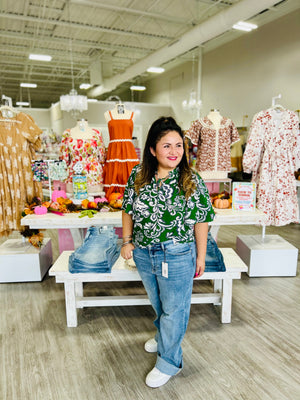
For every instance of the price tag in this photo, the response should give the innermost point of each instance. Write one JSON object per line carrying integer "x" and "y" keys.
{"x": 164, "y": 266}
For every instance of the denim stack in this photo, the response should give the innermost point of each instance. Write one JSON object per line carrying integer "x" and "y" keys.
{"x": 98, "y": 253}
{"x": 214, "y": 261}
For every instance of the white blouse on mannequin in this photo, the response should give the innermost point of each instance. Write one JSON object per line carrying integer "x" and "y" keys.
{"x": 215, "y": 117}
{"x": 118, "y": 112}
{"x": 82, "y": 130}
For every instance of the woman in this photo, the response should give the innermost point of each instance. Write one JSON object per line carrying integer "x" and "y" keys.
{"x": 166, "y": 210}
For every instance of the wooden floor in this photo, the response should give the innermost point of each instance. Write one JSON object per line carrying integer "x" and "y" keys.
{"x": 256, "y": 357}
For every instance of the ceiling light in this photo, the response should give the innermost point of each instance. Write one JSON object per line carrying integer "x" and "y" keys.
{"x": 40, "y": 57}
{"x": 192, "y": 104}
{"x": 28, "y": 85}
{"x": 22, "y": 103}
{"x": 92, "y": 100}
{"x": 73, "y": 102}
{"x": 244, "y": 26}
{"x": 156, "y": 70}
{"x": 134, "y": 87}
{"x": 85, "y": 86}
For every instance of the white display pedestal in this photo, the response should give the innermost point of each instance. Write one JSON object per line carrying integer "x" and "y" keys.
{"x": 268, "y": 256}
{"x": 22, "y": 262}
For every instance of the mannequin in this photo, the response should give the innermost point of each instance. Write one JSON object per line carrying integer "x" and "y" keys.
{"x": 121, "y": 154}
{"x": 85, "y": 144}
{"x": 215, "y": 117}
{"x": 118, "y": 112}
{"x": 213, "y": 135}
{"x": 82, "y": 130}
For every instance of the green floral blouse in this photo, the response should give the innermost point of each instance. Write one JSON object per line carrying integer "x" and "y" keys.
{"x": 160, "y": 212}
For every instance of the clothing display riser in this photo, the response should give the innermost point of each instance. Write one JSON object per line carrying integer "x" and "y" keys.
{"x": 268, "y": 256}
{"x": 22, "y": 262}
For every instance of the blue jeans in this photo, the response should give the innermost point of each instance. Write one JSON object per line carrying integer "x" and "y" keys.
{"x": 214, "y": 261}
{"x": 170, "y": 297}
{"x": 98, "y": 252}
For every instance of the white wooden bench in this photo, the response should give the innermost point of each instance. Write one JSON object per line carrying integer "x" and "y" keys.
{"x": 73, "y": 284}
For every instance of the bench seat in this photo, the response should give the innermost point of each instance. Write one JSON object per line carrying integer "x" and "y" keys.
{"x": 73, "y": 285}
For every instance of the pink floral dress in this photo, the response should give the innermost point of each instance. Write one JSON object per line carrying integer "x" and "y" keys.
{"x": 272, "y": 154}
{"x": 90, "y": 152}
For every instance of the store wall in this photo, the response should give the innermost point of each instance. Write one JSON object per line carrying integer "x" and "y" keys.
{"x": 241, "y": 77}
{"x": 41, "y": 116}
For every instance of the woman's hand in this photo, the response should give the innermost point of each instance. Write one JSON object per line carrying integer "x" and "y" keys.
{"x": 200, "y": 267}
{"x": 126, "y": 251}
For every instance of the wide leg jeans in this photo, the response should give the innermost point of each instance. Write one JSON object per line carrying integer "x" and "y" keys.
{"x": 170, "y": 296}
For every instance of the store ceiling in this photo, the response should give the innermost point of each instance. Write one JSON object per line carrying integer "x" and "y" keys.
{"x": 100, "y": 40}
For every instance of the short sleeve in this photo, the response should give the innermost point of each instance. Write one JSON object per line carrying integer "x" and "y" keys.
{"x": 129, "y": 192}
{"x": 31, "y": 131}
{"x": 193, "y": 133}
{"x": 64, "y": 147}
{"x": 199, "y": 207}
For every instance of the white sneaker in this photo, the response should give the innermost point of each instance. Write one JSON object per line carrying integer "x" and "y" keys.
{"x": 155, "y": 378}
{"x": 151, "y": 346}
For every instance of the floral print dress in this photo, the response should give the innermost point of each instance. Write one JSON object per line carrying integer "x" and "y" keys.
{"x": 272, "y": 154}
{"x": 90, "y": 152}
{"x": 19, "y": 139}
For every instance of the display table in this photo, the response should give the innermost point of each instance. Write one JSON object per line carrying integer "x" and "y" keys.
{"x": 22, "y": 262}
{"x": 73, "y": 222}
{"x": 268, "y": 256}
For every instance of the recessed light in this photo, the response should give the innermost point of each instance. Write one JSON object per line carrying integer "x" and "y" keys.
{"x": 22, "y": 103}
{"x": 136, "y": 87}
{"x": 28, "y": 85}
{"x": 156, "y": 70}
{"x": 85, "y": 86}
{"x": 40, "y": 57}
{"x": 244, "y": 26}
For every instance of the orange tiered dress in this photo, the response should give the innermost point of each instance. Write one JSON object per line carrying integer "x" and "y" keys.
{"x": 121, "y": 155}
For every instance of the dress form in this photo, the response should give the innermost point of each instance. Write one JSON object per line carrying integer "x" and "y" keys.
{"x": 215, "y": 117}
{"x": 118, "y": 112}
{"x": 121, "y": 156}
{"x": 82, "y": 130}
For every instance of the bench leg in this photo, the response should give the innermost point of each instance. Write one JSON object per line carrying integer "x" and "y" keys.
{"x": 70, "y": 298}
{"x": 218, "y": 284}
{"x": 78, "y": 289}
{"x": 226, "y": 301}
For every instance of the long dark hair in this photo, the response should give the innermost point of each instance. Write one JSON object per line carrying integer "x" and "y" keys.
{"x": 159, "y": 129}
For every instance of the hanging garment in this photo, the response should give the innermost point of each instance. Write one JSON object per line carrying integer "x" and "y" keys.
{"x": 98, "y": 252}
{"x": 272, "y": 154}
{"x": 213, "y": 152}
{"x": 121, "y": 155}
{"x": 39, "y": 170}
{"x": 18, "y": 142}
{"x": 90, "y": 152}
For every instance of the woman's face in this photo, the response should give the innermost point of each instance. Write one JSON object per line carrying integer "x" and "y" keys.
{"x": 169, "y": 151}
